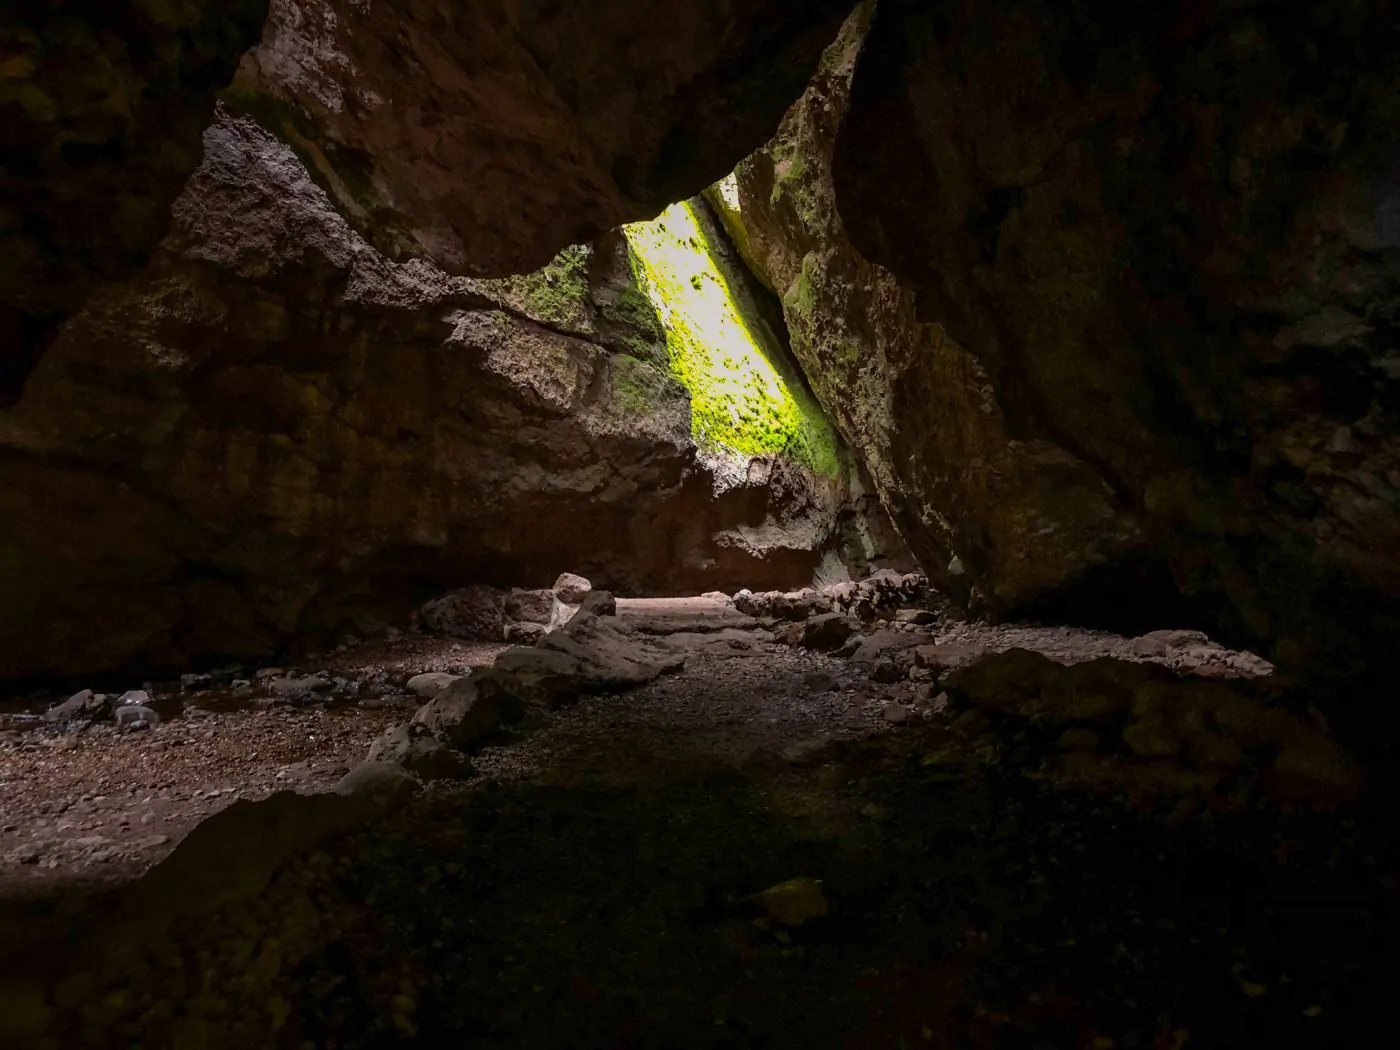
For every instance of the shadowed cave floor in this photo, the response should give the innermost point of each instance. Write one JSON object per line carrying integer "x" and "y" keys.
{"x": 594, "y": 889}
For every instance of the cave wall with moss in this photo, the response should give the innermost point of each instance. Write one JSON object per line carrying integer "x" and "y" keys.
{"x": 746, "y": 398}
{"x": 1009, "y": 521}
{"x": 275, "y": 431}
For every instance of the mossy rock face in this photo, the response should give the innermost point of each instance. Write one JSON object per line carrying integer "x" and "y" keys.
{"x": 1024, "y": 517}
{"x": 741, "y": 403}
{"x": 557, "y": 294}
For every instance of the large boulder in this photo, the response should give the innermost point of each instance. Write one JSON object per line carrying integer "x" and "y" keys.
{"x": 416, "y": 749}
{"x": 530, "y": 606}
{"x": 1169, "y": 235}
{"x": 472, "y": 612}
{"x": 84, "y": 706}
{"x": 466, "y": 712}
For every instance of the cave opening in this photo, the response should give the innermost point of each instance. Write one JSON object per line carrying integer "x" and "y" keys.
{"x": 469, "y": 578}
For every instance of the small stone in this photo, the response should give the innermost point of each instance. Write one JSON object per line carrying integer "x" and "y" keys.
{"x": 136, "y": 716}
{"x": 718, "y": 596}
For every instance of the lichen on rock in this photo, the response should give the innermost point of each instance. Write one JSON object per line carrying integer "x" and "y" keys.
{"x": 741, "y": 404}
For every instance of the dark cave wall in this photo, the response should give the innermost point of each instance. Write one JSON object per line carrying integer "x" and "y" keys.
{"x": 1167, "y": 235}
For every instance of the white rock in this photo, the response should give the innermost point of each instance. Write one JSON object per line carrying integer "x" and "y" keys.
{"x": 131, "y": 714}
{"x": 571, "y": 588}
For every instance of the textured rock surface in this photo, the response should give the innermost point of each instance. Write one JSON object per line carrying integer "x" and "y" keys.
{"x": 275, "y": 431}
{"x": 1169, "y": 235}
{"x": 102, "y": 107}
{"x": 1023, "y": 516}
{"x": 489, "y": 136}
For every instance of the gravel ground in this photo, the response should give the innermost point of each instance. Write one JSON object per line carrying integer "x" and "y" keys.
{"x": 102, "y": 804}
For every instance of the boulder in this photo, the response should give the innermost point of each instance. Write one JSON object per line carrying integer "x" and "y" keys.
{"x": 524, "y": 633}
{"x": 539, "y": 676}
{"x": 85, "y": 706}
{"x": 917, "y": 617}
{"x": 560, "y": 614}
{"x": 432, "y": 683}
{"x": 473, "y": 612}
{"x": 530, "y": 606}
{"x": 599, "y": 603}
{"x": 464, "y": 713}
{"x": 380, "y": 782}
{"x": 416, "y": 749}
{"x": 610, "y": 654}
{"x": 571, "y": 589}
{"x": 825, "y": 633}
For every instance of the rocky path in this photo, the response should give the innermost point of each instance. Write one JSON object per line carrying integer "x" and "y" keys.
{"x": 773, "y": 847}
{"x": 103, "y": 803}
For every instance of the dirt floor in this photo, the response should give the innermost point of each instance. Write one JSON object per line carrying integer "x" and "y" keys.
{"x": 103, "y": 804}
{"x": 600, "y": 883}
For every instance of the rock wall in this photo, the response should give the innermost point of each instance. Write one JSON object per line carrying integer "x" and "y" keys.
{"x": 102, "y": 106}
{"x": 1027, "y": 522}
{"x": 483, "y": 136}
{"x": 275, "y": 430}
{"x": 486, "y": 136}
{"x": 1168, "y": 235}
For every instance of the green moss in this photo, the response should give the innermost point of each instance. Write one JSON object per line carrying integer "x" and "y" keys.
{"x": 640, "y": 387}
{"x": 801, "y": 296}
{"x": 556, "y": 294}
{"x": 740, "y": 403}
